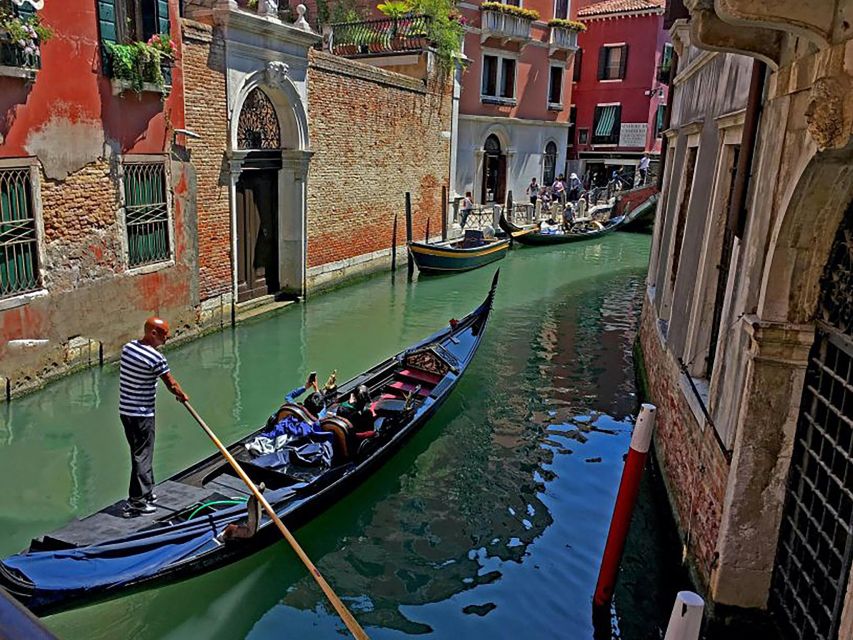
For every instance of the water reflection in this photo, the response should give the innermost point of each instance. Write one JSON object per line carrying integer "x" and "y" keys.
{"x": 490, "y": 521}
{"x": 475, "y": 501}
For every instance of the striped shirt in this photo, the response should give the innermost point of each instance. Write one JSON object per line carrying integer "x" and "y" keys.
{"x": 140, "y": 366}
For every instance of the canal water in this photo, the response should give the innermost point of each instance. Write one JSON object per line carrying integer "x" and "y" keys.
{"x": 490, "y": 522}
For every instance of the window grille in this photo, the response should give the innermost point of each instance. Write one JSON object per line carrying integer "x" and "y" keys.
{"x": 19, "y": 270}
{"x": 146, "y": 213}
{"x": 550, "y": 164}
{"x": 815, "y": 549}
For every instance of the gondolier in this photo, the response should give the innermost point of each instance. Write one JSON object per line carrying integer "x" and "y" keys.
{"x": 140, "y": 366}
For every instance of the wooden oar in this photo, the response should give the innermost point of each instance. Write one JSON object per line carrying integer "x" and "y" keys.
{"x": 343, "y": 612}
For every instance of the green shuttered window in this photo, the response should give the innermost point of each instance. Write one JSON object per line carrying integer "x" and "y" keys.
{"x": 146, "y": 213}
{"x": 19, "y": 270}
{"x": 126, "y": 21}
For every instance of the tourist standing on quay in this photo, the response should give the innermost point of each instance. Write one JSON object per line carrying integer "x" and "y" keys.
{"x": 140, "y": 366}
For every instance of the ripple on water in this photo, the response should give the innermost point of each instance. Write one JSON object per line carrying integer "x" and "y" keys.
{"x": 490, "y": 522}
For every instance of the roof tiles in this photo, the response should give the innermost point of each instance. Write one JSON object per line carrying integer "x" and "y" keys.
{"x": 607, "y": 7}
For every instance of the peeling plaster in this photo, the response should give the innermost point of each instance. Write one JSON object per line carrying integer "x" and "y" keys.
{"x": 64, "y": 145}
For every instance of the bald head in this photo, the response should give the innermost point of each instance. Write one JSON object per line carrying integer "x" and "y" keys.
{"x": 156, "y": 331}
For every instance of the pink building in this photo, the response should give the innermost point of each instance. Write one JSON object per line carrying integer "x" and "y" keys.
{"x": 620, "y": 90}
{"x": 513, "y": 120}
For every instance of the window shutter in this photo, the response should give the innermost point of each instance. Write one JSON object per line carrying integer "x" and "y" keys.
{"x": 25, "y": 11}
{"x": 163, "y": 16}
{"x": 617, "y": 123}
{"x": 576, "y": 70}
{"x": 623, "y": 63}
{"x": 602, "y": 63}
{"x": 107, "y": 20}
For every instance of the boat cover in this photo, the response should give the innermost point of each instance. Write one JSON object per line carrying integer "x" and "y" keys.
{"x": 130, "y": 558}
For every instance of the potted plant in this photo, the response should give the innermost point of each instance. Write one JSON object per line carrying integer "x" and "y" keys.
{"x": 20, "y": 40}
{"x": 395, "y": 9}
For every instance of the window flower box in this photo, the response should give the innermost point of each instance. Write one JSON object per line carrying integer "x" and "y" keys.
{"x": 506, "y": 22}
{"x": 20, "y": 40}
{"x": 138, "y": 67}
{"x": 564, "y": 35}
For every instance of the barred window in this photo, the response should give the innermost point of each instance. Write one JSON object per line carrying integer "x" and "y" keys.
{"x": 146, "y": 213}
{"x": 19, "y": 271}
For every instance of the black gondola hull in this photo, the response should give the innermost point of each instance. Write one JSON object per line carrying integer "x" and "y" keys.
{"x": 293, "y": 513}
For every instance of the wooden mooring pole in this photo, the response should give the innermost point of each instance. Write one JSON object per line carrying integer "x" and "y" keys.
{"x": 410, "y": 266}
{"x": 626, "y": 498}
{"x": 426, "y": 233}
{"x": 394, "y": 245}
{"x": 443, "y": 212}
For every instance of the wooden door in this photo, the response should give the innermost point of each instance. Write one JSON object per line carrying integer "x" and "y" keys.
{"x": 257, "y": 235}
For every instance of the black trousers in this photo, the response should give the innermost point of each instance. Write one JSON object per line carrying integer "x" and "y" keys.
{"x": 139, "y": 432}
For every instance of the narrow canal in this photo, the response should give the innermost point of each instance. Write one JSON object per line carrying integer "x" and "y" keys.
{"x": 489, "y": 523}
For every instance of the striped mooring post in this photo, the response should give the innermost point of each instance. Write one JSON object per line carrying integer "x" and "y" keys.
{"x": 686, "y": 619}
{"x": 641, "y": 440}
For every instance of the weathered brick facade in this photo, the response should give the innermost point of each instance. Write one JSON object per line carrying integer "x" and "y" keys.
{"x": 204, "y": 69}
{"x": 696, "y": 467}
{"x": 72, "y": 136}
{"x": 375, "y": 135}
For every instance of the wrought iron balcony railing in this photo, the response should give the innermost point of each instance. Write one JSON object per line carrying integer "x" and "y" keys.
{"x": 390, "y": 35}
{"x": 13, "y": 55}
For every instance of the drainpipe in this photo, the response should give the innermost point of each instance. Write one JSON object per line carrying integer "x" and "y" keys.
{"x": 667, "y": 115}
{"x": 738, "y": 207}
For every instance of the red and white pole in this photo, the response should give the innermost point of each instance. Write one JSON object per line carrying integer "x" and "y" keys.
{"x": 625, "y": 500}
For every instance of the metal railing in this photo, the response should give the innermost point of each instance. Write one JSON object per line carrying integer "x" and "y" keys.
{"x": 13, "y": 55}
{"x": 146, "y": 213}
{"x": 19, "y": 270}
{"x": 408, "y": 33}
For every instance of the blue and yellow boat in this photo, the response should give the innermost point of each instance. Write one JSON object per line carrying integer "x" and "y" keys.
{"x": 462, "y": 254}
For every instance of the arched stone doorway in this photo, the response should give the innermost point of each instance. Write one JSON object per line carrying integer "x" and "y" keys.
{"x": 269, "y": 168}
{"x": 815, "y": 547}
{"x": 494, "y": 171}
{"x": 259, "y": 136}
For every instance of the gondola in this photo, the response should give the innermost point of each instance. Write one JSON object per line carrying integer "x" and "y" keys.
{"x": 532, "y": 236}
{"x": 106, "y": 555}
{"x": 462, "y": 254}
{"x": 641, "y": 217}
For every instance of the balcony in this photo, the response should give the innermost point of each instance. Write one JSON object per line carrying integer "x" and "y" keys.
{"x": 137, "y": 67}
{"x": 563, "y": 39}
{"x": 506, "y": 23}
{"x": 17, "y": 61}
{"x": 377, "y": 37}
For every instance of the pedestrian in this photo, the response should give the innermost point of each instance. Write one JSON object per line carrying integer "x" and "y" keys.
{"x": 467, "y": 206}
{"x": 533, "y": 191}
{"x": 140, "y": 366}
{"x": 575, "y": 187}
{"x": 558, "y": 189}
{"x": 644, "y": 168}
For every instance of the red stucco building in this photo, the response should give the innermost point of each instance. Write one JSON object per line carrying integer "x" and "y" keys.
{"x": 619, "y": 87}
{"x": 514, "y": 109}
{"x": 92, "y": 184}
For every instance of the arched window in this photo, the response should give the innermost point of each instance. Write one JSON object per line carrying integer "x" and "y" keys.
{"x": 493, "y": 145}
{"x": 550, "y": 163}
{"x": 258, "y": 127}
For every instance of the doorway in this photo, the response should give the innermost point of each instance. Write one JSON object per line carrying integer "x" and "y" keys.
{"x": 494, "y": 172}
{"x": 815, "y": 549}
{"x": 257, "y": 234}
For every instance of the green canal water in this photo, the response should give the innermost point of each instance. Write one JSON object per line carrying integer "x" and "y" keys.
{"x": 488, "y": 523}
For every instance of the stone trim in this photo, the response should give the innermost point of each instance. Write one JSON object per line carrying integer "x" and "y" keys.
{"x": 693, "y": 68}
{"x": 196, "y": 31}
{"x": 323, "y": 61}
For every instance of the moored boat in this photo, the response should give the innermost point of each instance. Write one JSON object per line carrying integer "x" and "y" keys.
{"x": 532, "y": 235}
{"x": 463, "y": 254}
{"x": 106, "y": 555}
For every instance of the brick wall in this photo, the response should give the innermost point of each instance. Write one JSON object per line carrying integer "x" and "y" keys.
{"x": 204, "y": 73}
{"x": 375, "y": 135}
{"x": 89, "y": 294}
{"x": 694, "y": 467}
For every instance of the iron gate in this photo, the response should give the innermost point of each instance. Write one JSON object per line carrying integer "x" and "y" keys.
{"x": 816, "y": 535}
